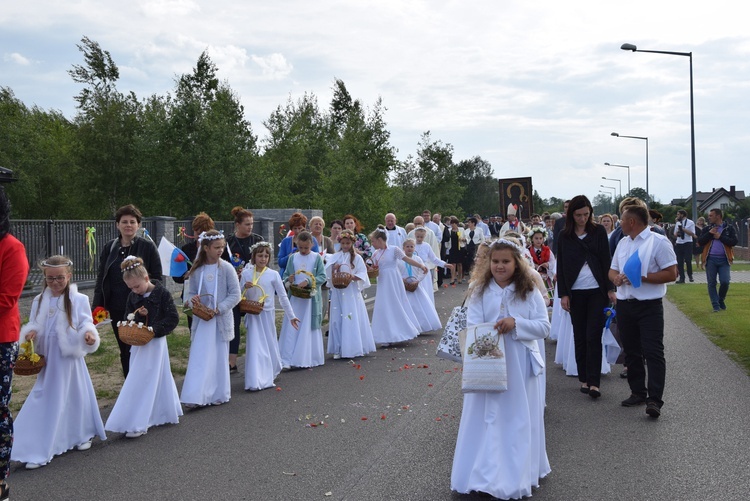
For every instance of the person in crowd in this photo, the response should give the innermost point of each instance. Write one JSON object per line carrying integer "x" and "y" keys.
{"x": 262, "y": 357}
{"x": 684, "y": 232}
{"x": 336, "y": 226}
{"x": 430, "y": 224}
{"x": 421, "y": 300}
{"x": 325, "y": 248}
{"x": 428, "y": 256}
{"x": 361, "y": 244}
{"x": 536, "y": 220}
{"x": 483, "y": 226}
{"x": 110, "y": 291}
{"x": 297, "y": 224}
{"x": 617, "y": 234}
{"x": 14, "y": 268}
{"x": 718, "y": 241}
{"x": 396, "y": 234}
{"x": 214, "y": 284}
{"x": 303, "y": 346}
{"x": 558, "y": 227}
{"x": 584, "y": 288}
{"x": 430, "y": 239}
{"x": 608, "y": 223}
{"x": 455, "y": 249}
{"x": 202, "y": 222}
{"x": 239, "y": 244}
{"x": 655, "y": 218}
{"x": 439, "y": 271}
{"x": 700, "y": 226}
{"x": 149, "y": 396}
{"x": 61, "y": 412}
{"x": 473, "y": 237}
{"x": 511, "y": 421}
{"x": 644, "y": 262}
{"x": 392, "y": 317}
{"x": 513, "y": 223}
{"x": 349, "y": 331}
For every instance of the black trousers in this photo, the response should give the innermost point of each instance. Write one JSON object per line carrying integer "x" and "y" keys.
{"x": 684, "y": 258}
{"x": 234, "y": 344}
{"x": 587, "y": 316}
{"x": 641, "y": 325}
{"x": 116, "y": 315}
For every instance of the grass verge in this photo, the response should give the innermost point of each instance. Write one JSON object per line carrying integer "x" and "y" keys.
{"x": 730, "y": 329}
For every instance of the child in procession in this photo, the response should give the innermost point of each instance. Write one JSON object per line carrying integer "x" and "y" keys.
{"x": 61, "y": 412}
{"x": 511, "y": 421}
{"x": 428, "y": 256}
{"x": 213, "y": 283}
{"x": 393, "y": 320}
{"x": 262, "y": 358}
{"x": 421, "y": 301}
{"x": 149, "y": 395}
{"x": 349, "y": 331}
{"x": 303, "y": 347}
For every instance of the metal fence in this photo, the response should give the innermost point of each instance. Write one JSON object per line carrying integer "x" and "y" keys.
{"x": 46, "y": 238}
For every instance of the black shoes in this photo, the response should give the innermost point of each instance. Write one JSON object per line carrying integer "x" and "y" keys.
{"x": 633, "y": 400}
{"x": 232, "y": 369}
{"x": 653, "y": 410}
{"x": 681, "y": 281}
{"x": 594, "y": 392}
{"x": 4, "y": 491}
{"x": 624, "y": 373}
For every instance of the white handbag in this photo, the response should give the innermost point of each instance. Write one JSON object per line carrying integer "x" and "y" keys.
{"x": 449, "y": 346}
{"x": 485, "y": 367}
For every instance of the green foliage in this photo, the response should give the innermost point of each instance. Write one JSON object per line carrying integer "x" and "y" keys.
{"x": 481, "y": 194}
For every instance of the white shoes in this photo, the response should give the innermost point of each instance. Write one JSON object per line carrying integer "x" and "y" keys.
{"x": 134, "y": 434}
{"x": 336, "y": 356}
{"x": 34, "y": 466}
{"x": 84, "y": 446}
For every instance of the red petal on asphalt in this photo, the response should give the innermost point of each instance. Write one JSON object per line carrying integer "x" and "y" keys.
{"x": 364, "y": 418}
{"x": 382, "y": 416}
{"x": 438, "y": 419}
{"x": 430, "y": 385}
{"x": 361, "y": 378}
{"x": 278, "y": 388}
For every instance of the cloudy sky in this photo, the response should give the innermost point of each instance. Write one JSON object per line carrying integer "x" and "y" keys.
{"x": 534, "y": 87}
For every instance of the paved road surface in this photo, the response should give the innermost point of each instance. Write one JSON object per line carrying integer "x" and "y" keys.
{"x": 262, "y": 446}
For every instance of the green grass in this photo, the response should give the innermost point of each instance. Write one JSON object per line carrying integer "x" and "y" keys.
{"x": 730, "y": 329}
{"x": 741, "y": 267}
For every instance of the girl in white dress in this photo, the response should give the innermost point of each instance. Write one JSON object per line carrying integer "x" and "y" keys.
{"x": 500, "y": 448}
{"x": 149, "y": 395}
{"x": 393, "y": 320}
{"x": 214, "y": 283}
{"x": 262, "y": 358}
{"x": 425, "y": 252}
{"x": 349, "y": 331}
{"x": 425, "y": 314}
{"x": 303, "y": 347}
{"x": 61, "y": 412}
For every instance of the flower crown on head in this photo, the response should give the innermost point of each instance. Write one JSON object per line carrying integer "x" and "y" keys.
{"x": 47, "y": 264}
{"x": 132, "y": 263}
{"x": 210, "y": 238}
{"x": 511, "y": 243}
{"x": 262, "y": 244}
{"x": 537, "y": 229}
{"x": 347, "y": 234}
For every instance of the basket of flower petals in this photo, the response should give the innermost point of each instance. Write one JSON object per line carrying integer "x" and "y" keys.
{"x": 134, "y": 333}
{"x": 28, "y": 362}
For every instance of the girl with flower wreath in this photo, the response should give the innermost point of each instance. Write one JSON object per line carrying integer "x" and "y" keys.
{"x": 213, "y": 283}
{"x": 425, "y": 315}
{"x": 393, "y": 320}
{"x": 541, "y": 255}
{"x": 303, "y": 347}
{"x": 500, "y": 449}
{"x": 61, "y": 412}
{"x": 349, "y": 331}
{"x": 149, "y": 395}
{"x": 262, "y": 358}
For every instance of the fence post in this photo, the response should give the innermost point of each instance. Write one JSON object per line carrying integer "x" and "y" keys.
{"x": 163, "y": 227}
{"x": 49, "y": 224}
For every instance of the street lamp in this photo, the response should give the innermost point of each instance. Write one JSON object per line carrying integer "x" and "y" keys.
{"x": 624, "y": 167}
{"x": 614, "y": 192}
{"x": 633, "y": 48}
{"x": 613, "y": 179}
{"x": 645, "y": 139}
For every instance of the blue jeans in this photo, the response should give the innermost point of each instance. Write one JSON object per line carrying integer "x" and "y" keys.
{"x": 717, "y": 265}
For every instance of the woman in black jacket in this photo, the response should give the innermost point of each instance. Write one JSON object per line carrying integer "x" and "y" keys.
{"x": 584, "y": 289}
{"x": 111, "y": 292}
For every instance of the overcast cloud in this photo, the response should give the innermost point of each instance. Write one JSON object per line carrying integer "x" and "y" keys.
{"x": 535, "y": 88}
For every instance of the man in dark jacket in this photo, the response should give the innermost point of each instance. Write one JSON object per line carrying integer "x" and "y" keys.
{"x": 718, "y": 253}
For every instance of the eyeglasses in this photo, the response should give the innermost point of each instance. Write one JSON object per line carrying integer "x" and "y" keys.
{"x": 52, "y": 280}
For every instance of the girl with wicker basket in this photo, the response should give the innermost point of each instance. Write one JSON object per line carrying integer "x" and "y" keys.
{"x": 262, "y": 358}
{"x": 305, "y": 274}
{"x": 149, "y": 395}
{"x": 213, "y": 291}
{"x": 425, "y": 315}
{"x": 61, "y": 412}
{"x": 349, "y": 331}
{"x": 500, "y": 449}
{"x": 393, "y": 320}
{"x": 425, "y": 252}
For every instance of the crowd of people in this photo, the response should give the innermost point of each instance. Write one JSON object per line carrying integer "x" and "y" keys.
{"x": 571, "y": 267}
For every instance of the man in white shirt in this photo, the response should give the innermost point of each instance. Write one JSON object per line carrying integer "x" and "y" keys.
{"x": 684, "y": 230}
{"x": 430, "y": 225}
{"x": 483, "y": 226}
{"x": 643, "y": 263}
{"x": 396, "y": 234}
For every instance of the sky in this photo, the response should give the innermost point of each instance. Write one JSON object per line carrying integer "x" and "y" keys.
{"x": 534, "y": 87}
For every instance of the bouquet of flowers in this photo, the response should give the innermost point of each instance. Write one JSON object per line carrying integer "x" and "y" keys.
{"x": 100, "y": 315}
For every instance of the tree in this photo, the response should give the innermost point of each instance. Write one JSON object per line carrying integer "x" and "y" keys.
{"x": 480, "y": 187}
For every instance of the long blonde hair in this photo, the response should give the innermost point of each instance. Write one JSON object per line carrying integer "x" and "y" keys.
{"x": 482, "y": 275}
{"x": 61, "y": 262}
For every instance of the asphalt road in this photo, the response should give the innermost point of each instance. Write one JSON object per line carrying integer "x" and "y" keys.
{"x": 310, "y": 439}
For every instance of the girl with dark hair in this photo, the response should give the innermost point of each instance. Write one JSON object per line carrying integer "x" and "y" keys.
{"x": 361, "y": 243}
{"x": 110, "y": 291}
{"x": 583, "y": 261}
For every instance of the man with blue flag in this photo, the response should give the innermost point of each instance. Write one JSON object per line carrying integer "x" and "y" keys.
{"x": 644, "y": 262}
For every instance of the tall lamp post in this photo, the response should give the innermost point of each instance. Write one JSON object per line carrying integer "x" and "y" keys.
{"x": 645, "y": 139}
{"x": 624, "y": 167}
{"x": 613, "y": 179}
{"x": 614, "y": 192}
{"x": 633, "y": 48}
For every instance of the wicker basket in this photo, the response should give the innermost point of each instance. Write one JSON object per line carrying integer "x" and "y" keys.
{"x": 134, "y": 335}
{"x": 303, "y": 292}
{"x": 342, "y": 279}
{"x": 25, "y": 367}
{"x": 373, "y": 271}
{"x": 201, "y": 311}
{"x": 411, "y": 284}
{"x": 252, "y": 306}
